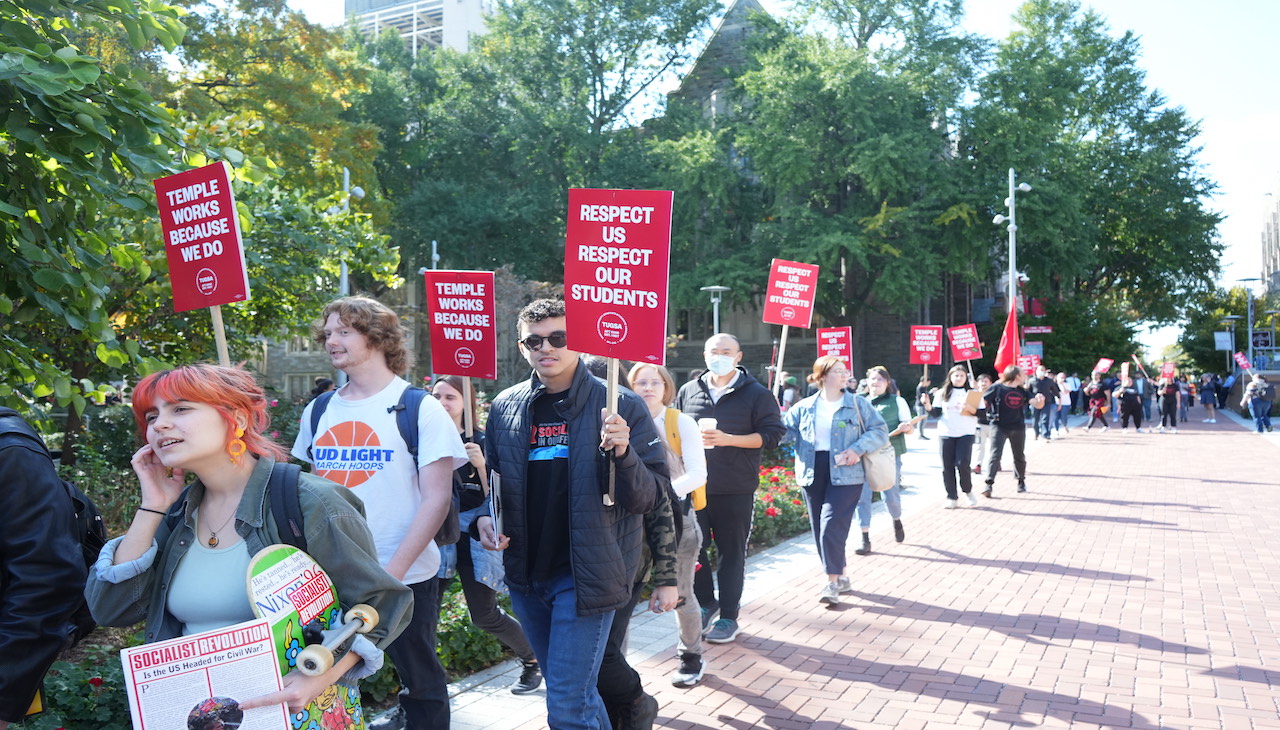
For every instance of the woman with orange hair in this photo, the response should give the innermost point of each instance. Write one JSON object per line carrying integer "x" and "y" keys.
{"x": 181, "y": 565}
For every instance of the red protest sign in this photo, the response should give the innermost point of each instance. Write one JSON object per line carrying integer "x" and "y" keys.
{"x": 464, "y": 336}
{"x": 788, "y": 299}
{"x": 964, "y": 342}
{"x": 202, "y": 238}
{"x": 1242, "y": 361}
{"x": 837, "y": 342}
{"x": 1104, "y": 364}
{"x": 616, "y": 257}
{"x": 1028, "y": 362}
{"x": 926, "y": 344}
{"x": 1168, "y": 370}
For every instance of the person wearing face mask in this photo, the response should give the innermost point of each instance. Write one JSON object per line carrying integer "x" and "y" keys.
{"x": 738, "y": 417}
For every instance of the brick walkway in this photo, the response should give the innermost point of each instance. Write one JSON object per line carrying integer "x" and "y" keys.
{"x": 1137, "y": 585}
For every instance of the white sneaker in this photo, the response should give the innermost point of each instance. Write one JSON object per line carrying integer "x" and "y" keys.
{"x": 953, "y": 503}
{"x": 1173, "y": 430}
{"x": 1213, "y": 420}
{"x": 830, "y": 595}
{"x": 1106, "y": 428}
{"x": 844, "y": 586}
{"x": 973, "y": 501}
{"x": 1160, "y": 429}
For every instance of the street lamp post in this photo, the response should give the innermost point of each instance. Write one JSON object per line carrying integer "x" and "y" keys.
{"x": 348, "y": 192}
{"x": 716, "y": 292}
{"x": 1012, "y": 203}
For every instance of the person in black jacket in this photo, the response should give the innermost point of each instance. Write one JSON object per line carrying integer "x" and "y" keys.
{"x": 1006, "y": 403}
{"x": 570, "y": 557}
{"x": 42, "y": 571}
{"x": 746, "y": 419}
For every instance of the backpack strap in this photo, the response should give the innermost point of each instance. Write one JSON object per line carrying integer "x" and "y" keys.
{"x": 286, "y": 504}
{"x": 406, "y": 411}
{"x": 318, "y": 407}
{"x": 671, "y": 419}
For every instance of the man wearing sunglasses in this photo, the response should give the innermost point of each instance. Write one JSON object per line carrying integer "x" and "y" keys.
{"x": 570, "y": 554}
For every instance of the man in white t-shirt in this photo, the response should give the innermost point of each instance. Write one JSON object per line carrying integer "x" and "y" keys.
{"x": 358, "y": 444}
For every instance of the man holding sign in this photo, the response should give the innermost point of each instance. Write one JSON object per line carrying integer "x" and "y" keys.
{"x": 570, "y": 558}
{"x": 353, "y": 436}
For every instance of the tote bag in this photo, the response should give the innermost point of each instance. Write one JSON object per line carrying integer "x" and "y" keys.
{"x": 879, "y": 466}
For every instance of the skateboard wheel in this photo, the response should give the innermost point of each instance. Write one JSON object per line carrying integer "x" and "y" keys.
{"x": 367, "y": 614}
{"x": 315, "y": 660}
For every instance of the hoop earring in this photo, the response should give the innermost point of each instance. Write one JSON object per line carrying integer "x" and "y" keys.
{"x": 237, "y": 447}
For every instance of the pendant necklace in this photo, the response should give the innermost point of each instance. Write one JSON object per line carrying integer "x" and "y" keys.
{"x": 213, "y": 534}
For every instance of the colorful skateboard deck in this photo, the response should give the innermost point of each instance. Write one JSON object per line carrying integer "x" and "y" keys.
{"x": 290, "y": 589}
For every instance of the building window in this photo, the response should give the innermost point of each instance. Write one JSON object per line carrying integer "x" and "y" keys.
{"x": 301, "y": 345}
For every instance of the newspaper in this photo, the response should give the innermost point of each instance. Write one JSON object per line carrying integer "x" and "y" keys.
{"x": 203, "y": 676}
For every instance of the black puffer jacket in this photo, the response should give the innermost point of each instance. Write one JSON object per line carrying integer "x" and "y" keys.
{"x": 748, "y": 407}
{"x": 42, "y": 570}
{"x": 604, "y": 541}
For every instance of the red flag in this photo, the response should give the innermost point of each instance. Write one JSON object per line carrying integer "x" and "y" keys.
{"x": 1009, "y": 349}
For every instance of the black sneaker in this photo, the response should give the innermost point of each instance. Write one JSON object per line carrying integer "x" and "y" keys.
{"x": 1022, "y": 487}
{"x": 690, "y": 671}
{"x": 642, "y": 713}
{"x": 530, "y": 679}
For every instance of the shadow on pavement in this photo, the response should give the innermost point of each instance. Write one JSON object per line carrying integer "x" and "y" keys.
{"x": 801, "y": 661}
{"x": 987, "y": 507}
{"x": 1023, "y": 566}
{"x": 1032, "y": 627}
{"x": 1246, "y": 674}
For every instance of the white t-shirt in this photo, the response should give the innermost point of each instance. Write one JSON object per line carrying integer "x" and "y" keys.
{"x": 692, "y": 455}
{"x": 824, "y": 413}
{"x": 953, "y": 423}
{"x": 1064, "y": 393}
{"x": 359, "y": 447}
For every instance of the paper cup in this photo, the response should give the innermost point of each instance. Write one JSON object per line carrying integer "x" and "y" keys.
{"x": 707, "y": 424}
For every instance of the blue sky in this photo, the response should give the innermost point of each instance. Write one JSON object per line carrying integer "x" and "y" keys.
{"x": 1220, "y": 61}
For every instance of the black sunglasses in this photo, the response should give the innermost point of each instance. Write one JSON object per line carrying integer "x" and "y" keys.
{"x": 534, "y": 342}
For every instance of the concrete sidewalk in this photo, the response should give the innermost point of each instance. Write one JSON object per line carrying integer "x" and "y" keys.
{"x": 1135, "y": 585}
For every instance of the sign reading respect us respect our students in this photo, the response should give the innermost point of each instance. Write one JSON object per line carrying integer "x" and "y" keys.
{"x": 789, "y": 297}
{"x": 616, "y": 260}
{"x": 202, "y": 238}
{"x": 464, "y": 337}
{"x": 836, "y": 342}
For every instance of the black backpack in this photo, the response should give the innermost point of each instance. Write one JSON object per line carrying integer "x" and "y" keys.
{"x": 406, "y": 410}
{"x": 90, "y": 531}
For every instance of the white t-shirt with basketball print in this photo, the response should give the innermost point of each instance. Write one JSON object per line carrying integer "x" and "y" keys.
{"x": 359, "y": 447}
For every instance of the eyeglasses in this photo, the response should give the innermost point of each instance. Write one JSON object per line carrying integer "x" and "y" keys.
{"x": 534, "y": 342}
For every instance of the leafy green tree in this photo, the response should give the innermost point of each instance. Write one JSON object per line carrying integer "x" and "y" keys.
{"x": 1119, "y": 208}
{"x": 1207, "y": 314}
{"x": 78, "y": 146}
{"x": 855, "y": 168}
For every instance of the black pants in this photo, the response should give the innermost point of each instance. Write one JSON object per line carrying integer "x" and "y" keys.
{"x": 482, "y": 604}
{"x": 1017, "y": 438}
{"x": 726, "y": 520}
{"x": 618, "y": 683}
{"x": 1135, "y": 413}
{"x": 1169, "y": 412}
{"x": 425, "y": 697}
{"x": 957, "y": 452}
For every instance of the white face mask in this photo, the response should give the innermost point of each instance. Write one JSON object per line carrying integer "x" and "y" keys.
{"x": 720, "y": 364}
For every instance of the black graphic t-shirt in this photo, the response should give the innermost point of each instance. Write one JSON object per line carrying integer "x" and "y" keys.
{"x": 547, "y": 492}
{"x": 1130, "y": 398}
{"x": 1006, "y": 406}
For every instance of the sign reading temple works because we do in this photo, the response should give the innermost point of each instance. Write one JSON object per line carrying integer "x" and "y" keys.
{"x": 616, "y": 261}
{"x": 202, "y": 238}
{"x": 464, "y": 338}
{"x": 926, "y": 344}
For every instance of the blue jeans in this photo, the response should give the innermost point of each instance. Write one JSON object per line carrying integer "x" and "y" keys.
{"x": 425, "y": 697}
{"x": 892, "y": 499}
{"x": 830, "y": 512}
{"x": 1061, "y": 421}
{"x": 569, "y": 647}
{"x": 1261, "y": 412}
{"x": 1042, "y": 421}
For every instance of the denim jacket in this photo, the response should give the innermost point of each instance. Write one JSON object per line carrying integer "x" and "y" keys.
{"x": 337, "y": 538}
{"x": 801, "y": 423}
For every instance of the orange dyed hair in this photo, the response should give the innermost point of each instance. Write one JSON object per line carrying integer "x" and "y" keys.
{"x": 229, "y": 390}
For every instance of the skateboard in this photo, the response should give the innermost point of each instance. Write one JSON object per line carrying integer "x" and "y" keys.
{"x": 288, "y": 588}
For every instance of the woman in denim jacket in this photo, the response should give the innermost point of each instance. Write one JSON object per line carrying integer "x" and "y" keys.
{"x": 181, "y": 565}
{"x": 831, "y": 430}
